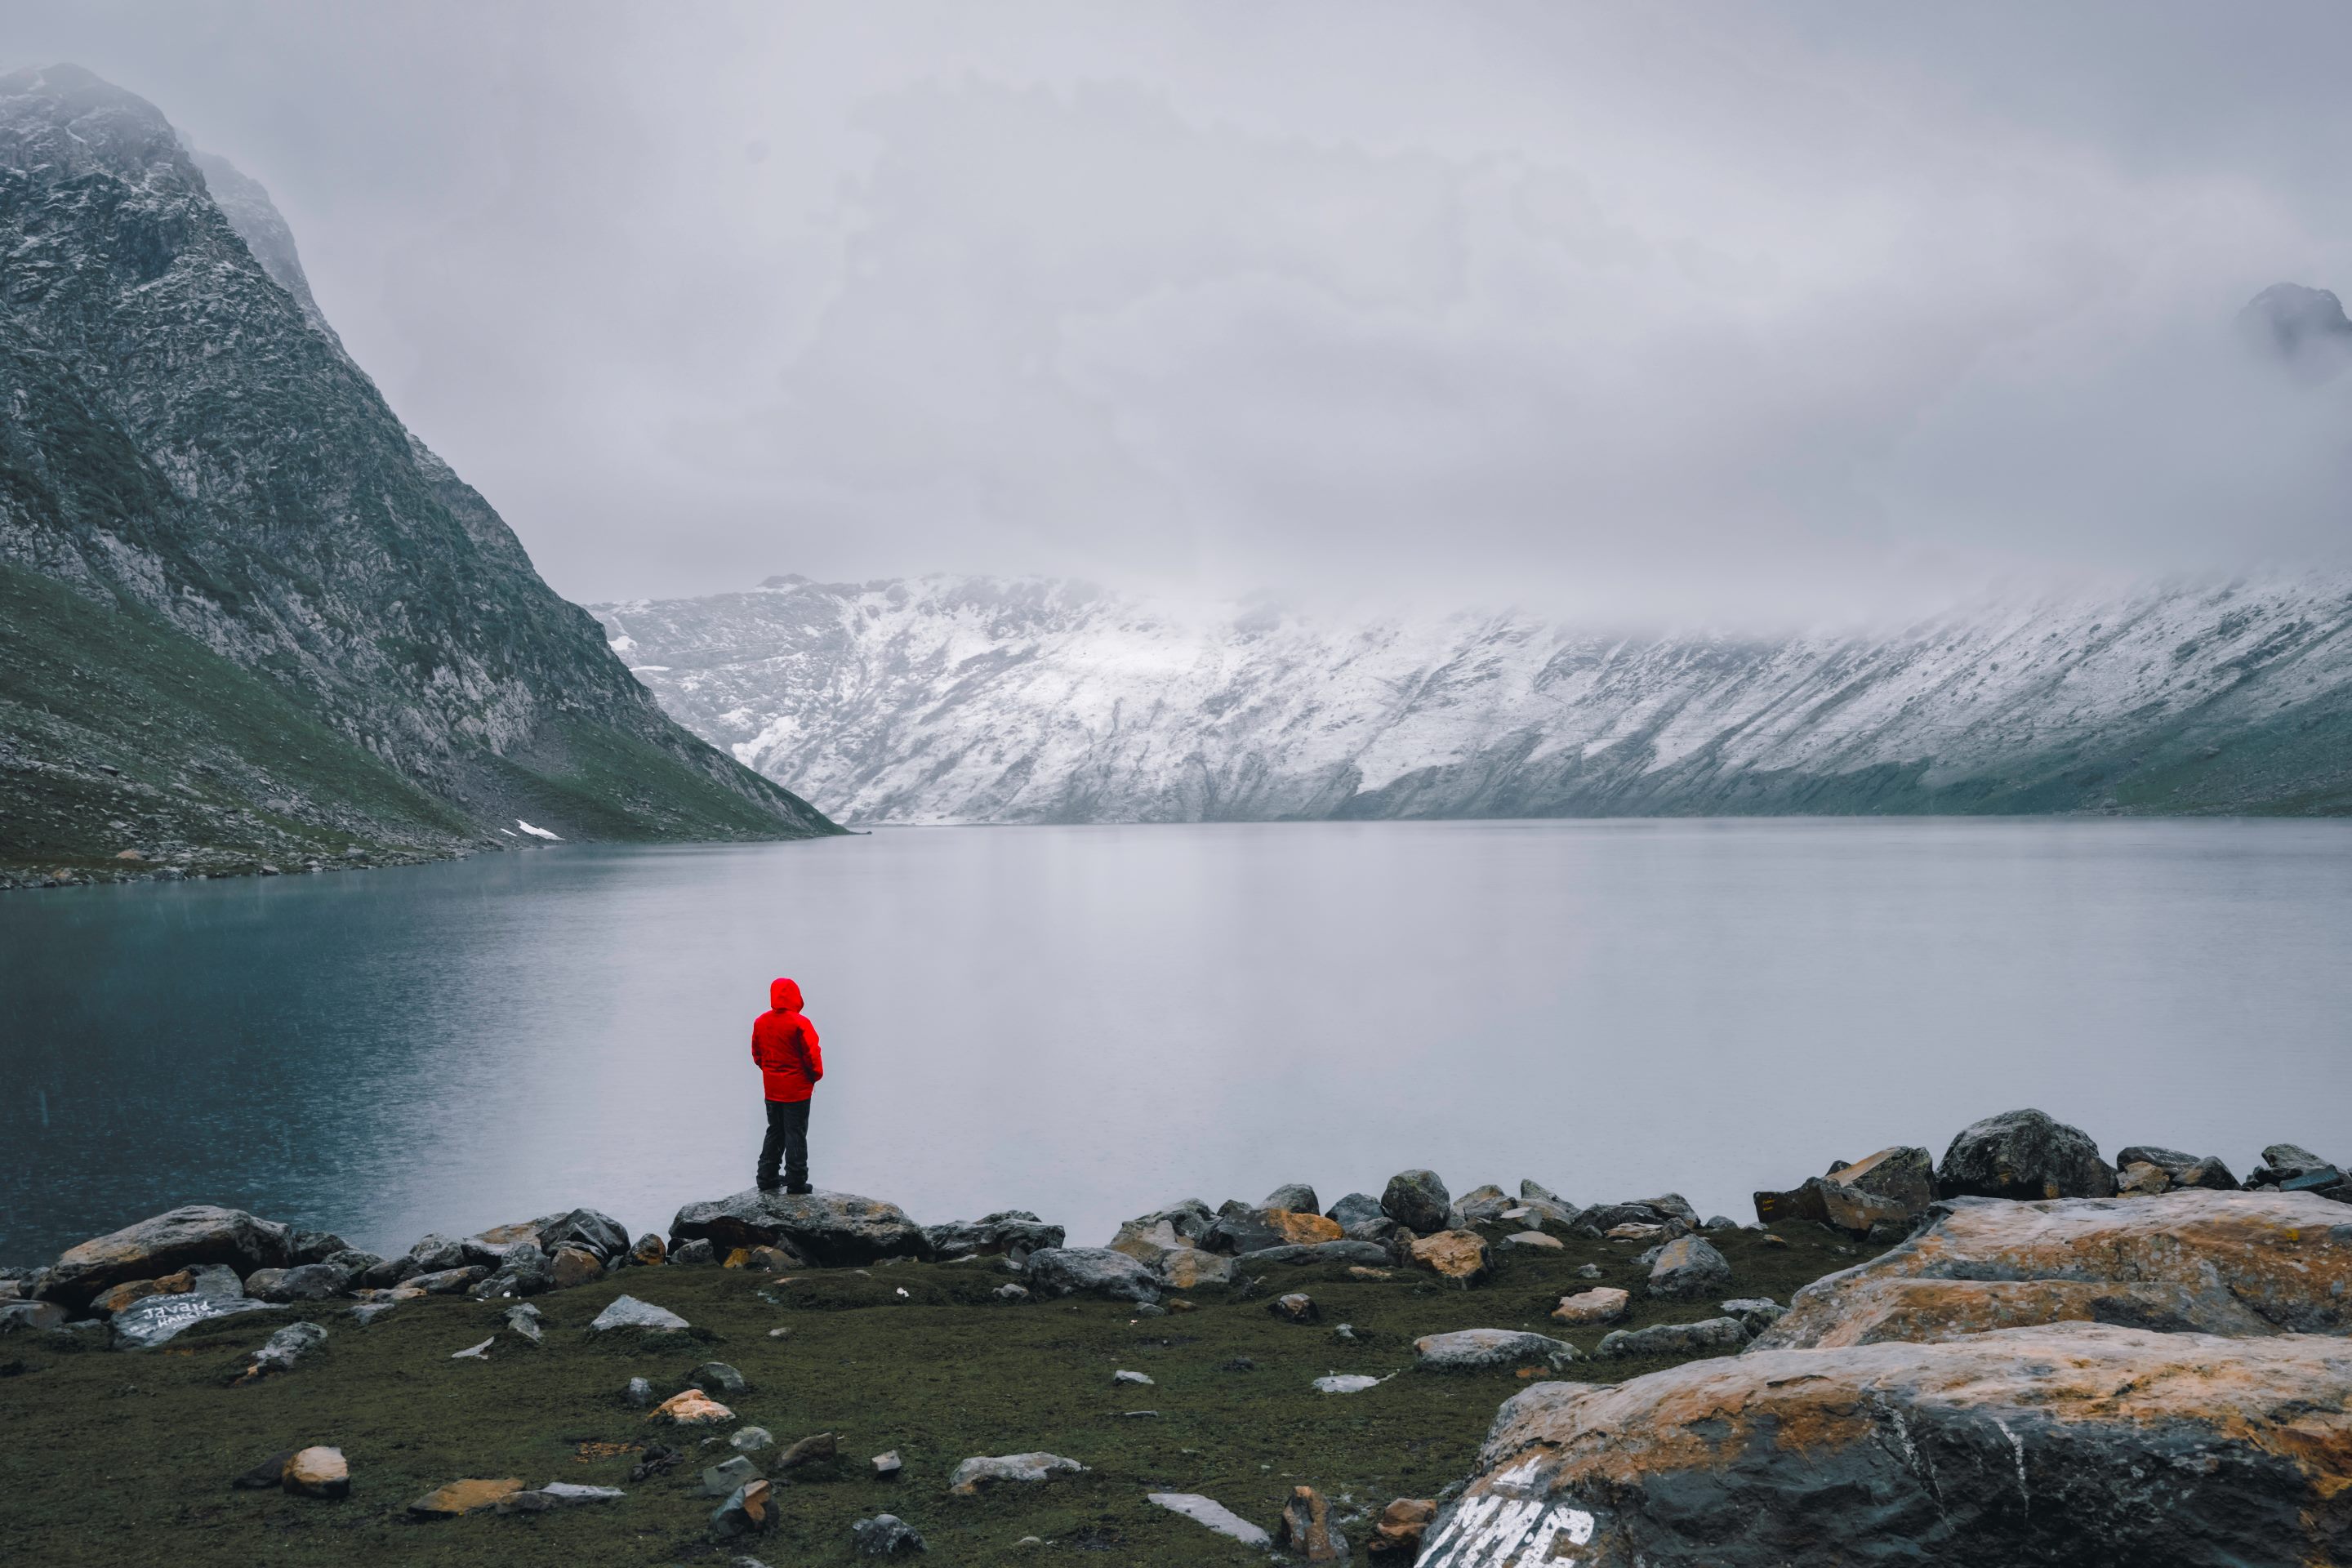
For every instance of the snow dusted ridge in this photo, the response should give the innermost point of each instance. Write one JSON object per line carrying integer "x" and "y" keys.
{"x": 944, "y": 699}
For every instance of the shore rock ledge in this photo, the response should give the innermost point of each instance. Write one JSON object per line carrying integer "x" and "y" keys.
{"x": 836, "y": 1230}
{"x": 2074, "y": 1444}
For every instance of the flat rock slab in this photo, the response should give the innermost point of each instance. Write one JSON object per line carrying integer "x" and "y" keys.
{"x": 1471, "y": 1350}
{"x": 1602, "y": 1304}
{"x": 628, "y": 1312}
{"x": 1346, "y": 1383}
{"x": 150, "y": 1322}
{"x": 2036, "y": 1445}
{"x": 832, "y": 1229}
{"x": 463, "y": 1496}
{"x": 2229, "y": 1263}
{"x": 982, "y": 1470}
{"x": 1216, "y": 1516}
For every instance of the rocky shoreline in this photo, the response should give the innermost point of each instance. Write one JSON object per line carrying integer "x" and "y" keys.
{"x": 1987, "y": 1357}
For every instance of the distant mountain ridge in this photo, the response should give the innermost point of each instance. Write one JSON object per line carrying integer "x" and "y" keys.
{"x": 192, "y": 455}
{"x": 976, "y": 700}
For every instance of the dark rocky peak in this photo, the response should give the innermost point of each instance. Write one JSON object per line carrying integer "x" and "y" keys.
{"x": 62, "y": 122}
{"x": 2305, "y": 329}
{"x": 246, "y": 205}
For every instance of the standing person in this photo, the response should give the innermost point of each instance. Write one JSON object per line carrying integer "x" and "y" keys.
{"x": 784, "y": 1045}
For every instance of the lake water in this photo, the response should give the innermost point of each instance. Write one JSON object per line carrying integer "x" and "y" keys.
{"x": 1090, "y": 1022}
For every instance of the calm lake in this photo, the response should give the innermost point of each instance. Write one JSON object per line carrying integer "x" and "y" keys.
{"x": 1090, "y": 1022}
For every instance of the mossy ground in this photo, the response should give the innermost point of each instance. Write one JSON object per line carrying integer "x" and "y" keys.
{"x": 121, "y": 1457}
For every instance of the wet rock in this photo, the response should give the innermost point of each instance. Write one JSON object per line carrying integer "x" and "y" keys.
{"x": 286, "y": 1348}
{"x": 570, "y": 1266}
{"x": 1305, "y": 1528}
{"x": 2073, "y": 1444}
{"x": 304, "y": 1283}
{"x": 1531, "y": 1241}
{"x": 691, "y": 1407}
{"x": 817, "y": 1450}
{"x": 649, "y": 1252}
{"x": 1417, "y": 1201}
{"x": 178, "y": 1238}
{"x": 446, "y": 1282}
{"x": 833, "y": 1230}
{"x": 1193, "y": 1269}
{"x": 2023, "y": 1154}
{"x": 145, "y": 1324}
{"x": 749, "y": 1510}
{"x": 1461, "y": 1256}
{"x": 1755, "y": 1313}
{"x": 1602, "y": 1304}
{"x": 718, "y": 1377}
{"x": 1476, "y": 1349}
{"x": 1354, "y": 1210}
{"x": 1708, "y": 1337}
{"x": 1688, "y": 1267}
{"x": 1483, "y": 1206}
{"x": 1398, "y": 1534}
{"x": 639, "y": 1392}
{"x": 462, "y": 1497}
{"x": 980, "y": 1471}
{"x": 628, "y": 1312}
{"x": 1090, "y": 1271}
{"x": 888, "y": 1466}
{"x": 722, "y": 1479}
{"x": 1209, "y": 1512}
{"x": 320, "y": 1472}
{"x": 1296, "y": 1308}
{"x": 696, "y": 1253}
{"x": 1293, "y": 1198}
{"x": 886, "y": 1535}
{"x": 752, "y": 1440}
{"x": 2230, "y": 1263}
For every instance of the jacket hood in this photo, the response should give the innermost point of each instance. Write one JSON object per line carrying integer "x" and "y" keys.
{"x": 784, "y": 996}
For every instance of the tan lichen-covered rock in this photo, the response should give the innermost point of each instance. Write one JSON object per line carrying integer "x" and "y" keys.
{"x": 1192, "y": 1268}
{"x": 2236, "y": 1263}
{"x": 1305, "y": 1528}
{"x": 114, "y": 1298}
{"x": 1602, "y": 1304}
{"x": 571, "y": 1266}
{"x": 1148, "y": 1241}
{"x": 2065, "y": 1444}
{"x": 463, "y": 1496}
{"x": 2141, "y": 1179}
{"x": 1460, "y": 1254}
{"x": 1397, "y": 1534}
{"x": 1301, "y": 1229}
{"x": 649, "y": 1252}
{"x": 319, "y": 1471}
{"x": 691, "y": 1409}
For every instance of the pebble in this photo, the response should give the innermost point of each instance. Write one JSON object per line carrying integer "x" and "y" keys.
{"x": 888, "y": 1466}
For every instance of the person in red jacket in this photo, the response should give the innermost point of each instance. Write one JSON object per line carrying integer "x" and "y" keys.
{"x": 784, "y": 1045}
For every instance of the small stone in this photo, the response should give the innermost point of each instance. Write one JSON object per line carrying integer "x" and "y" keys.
{"x": 717, "y": 1376}
{"x": 1296, "y": 1308}
{"x": 1588, "y": 1271}
{"x": 691, "y": 1408}
{"x": 1768, "y": 1240}
{"x": 1397, "y": 1534}
{"x": 523, "y": 1319}
{"x": 1532, "y": 1241}
{"x": 722, "y": 1479}
{"x": 888, "y": 1466}
{"x": 1215, "y": 1515}
{"x": 570, "y": 1494}
{"x": 474, "y": 1352}
{"x": 1011, "y": 1293}
{"x": 982, "y": 1470}
{"x": 821, "y": 1448}
{"x": 639, "y": 1392}
{"x": 1358, "y": 1271}
{"x": 1126, "y": 1377}
{"x": 1306, "y": 1527}
{"x": 462, "y": 1496}
{"x": 1756, "y": 1313}
{"x": 1635, "y": 1230}
{"x": 283, "y": 1349}
{"x": 320, "y": 1472}
{"x": 1471, "y": 1350}
{"x": 750, "y": 1510}
{"x": 367, "y": 1312}
{"x": 1602, "y": 1304}
{"x": 649, "y": 1252}
{"x": 1345, "y": 1383}
{"x": 628, "y": 1312}
{"x": 752, "y": 1440}
{"x": 886, "y": 1535}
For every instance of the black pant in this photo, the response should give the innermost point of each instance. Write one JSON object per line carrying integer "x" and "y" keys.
{"x": 787, "y": 1140}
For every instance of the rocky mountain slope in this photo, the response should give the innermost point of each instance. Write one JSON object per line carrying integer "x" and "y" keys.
{"x": 974, "y": 699}
{"x": 249, "y": 615}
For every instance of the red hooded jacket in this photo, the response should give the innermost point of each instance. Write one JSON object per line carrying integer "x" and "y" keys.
{"x": 784, "y": 1045}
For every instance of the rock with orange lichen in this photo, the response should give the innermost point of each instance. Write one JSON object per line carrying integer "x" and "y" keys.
{"x": 1458, "y": 1255}
{"x": 691, "y": 1409}
{"x": 1301, "y": 1229}
{"x": 2074, "y": 1444}
{"x": 2207, "y": 1262}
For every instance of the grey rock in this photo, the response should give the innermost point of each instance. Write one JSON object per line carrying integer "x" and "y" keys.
{"x": 1123, "y": 1376}
{"x": 2023, "y": 1154}
{"x": 522, "y": 1319}
{"x": 886, "y": 1535}
{"x": 1013, "y": 1232}
{"x": 366, "y": 1313}
{"x": 1382, "y": 1232}
{"x": 1354, "y": 1210}
{"x": 1011, "y": 1292}
{"x": 722, "y": 1479}
{"x": 887, "y": 1467}
{"x": 1195, "y": 1268}
{"x": 718, "y": 1377}
{"x": 639, "y": 1392}
{"x": 750, "y": 1509}
{"x": 752, "y": 1440}
{"x": 831, "y": 1229}
{"x": 1091, "y": 1271}
{"x": 523, "y": 1269}
{"x": 1243, "y": 1230}
{"x": 353, "y": 1260}
{"x": 1294, "y": 1197}
{"x": 150, "y": 1322}
{"x": 1476, "y": 1349}
{"x": 628, "y": 1312}
{"x": 1215, "y": 1515}
{"x": 1688, "y": 1267}
{"x": 288, "y": 1346}
{"x": 446, "y": 1282}
{"x": 312, "y": 1245}
{"x": 1601, "y": 1218}
{"x": 1365, "y": 1253}
{"x": 306, "y": 1283}
{"x": 1588, "y": 1271}
{"x": 32, "y": 1317}
{"x": 1674, "y": 1206}
{"x": 216, "y": 1280}
{"x": 2290, "y": 1160}
{"x": 481, "y": 1352}
{"x": 591, "y": 1230}
{"x": 696, "y": 1253}
{"x": 1756, "y": 1313}
{"x": 1710, "y": 1336}
{"x": 1718, "y": 1222}
{"x": 178, "y": 1238}
{"x": 1189, "y": 1219}
{"x": 1417, "y": 1201}
{"x": 1531, "y": 1241}
{"x": 1483, "y": 1206}
{"x": 982, "y": 1470}
{"x": 555, "y": 1495}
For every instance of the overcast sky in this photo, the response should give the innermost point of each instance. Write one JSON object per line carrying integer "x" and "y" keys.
{"x": 1727, "y": 310}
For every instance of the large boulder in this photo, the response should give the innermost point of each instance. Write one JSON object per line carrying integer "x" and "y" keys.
{"x": 590, "y": 1230}
{"x": 1417, "y": 1201}
{"x": 2076, "y": 1444}
{"x": 145, "y": 1324}
{"x": 1091, "y": 1271}
{"x": 198, "y": 1232}
{"x": 2023, "y": 1154}
{"x": 2209, "y": 1261}
{"x": 1485, "y": 1204}
{"x": 2180, "y": 1170}
{"x": 1354, "y": 1210}
{"x": 1884, "y": 1194}
{"x": 834, "y": 1229}
{"x": 1295, "y": 1197}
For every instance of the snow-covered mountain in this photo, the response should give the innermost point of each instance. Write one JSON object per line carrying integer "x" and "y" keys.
{"x": 978, "y": 699}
